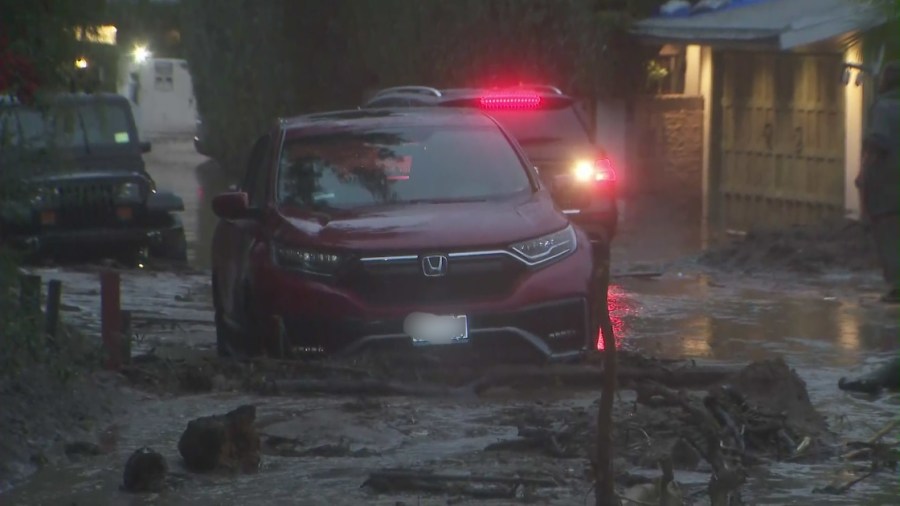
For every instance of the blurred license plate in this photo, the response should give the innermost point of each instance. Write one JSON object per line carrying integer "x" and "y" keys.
{"x": 430, "y": 329}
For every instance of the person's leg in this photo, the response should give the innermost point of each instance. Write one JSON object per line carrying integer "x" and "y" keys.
{"x": 886, "y": 232}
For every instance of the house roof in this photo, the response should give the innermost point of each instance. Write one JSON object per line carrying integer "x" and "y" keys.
{"x": 777, "y": 24}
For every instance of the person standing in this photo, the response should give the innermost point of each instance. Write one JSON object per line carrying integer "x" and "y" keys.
{"x": 879, "y": 178}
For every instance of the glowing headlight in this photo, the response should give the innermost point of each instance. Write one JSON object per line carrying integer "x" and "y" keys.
{"x": 547, "y": 248}
{"x": 315, "y": 262}
{"x": 584, "y": 170}
{"x": 128, "y": 192}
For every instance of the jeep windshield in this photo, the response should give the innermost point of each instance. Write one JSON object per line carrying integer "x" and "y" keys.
{"x": 394, "y": 166}
{"x": 71, "y": 127}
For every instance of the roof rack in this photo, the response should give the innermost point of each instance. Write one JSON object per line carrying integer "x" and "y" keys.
{"x": 410, "y": 89}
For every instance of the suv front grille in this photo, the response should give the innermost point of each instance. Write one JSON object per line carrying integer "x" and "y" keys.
{"x": 82, "y": 205}
{"x": 468, "y": 279}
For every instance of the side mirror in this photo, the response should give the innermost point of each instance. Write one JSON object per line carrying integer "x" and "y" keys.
{"x": 231, "y": 205}
{"x": 145, "y": 147}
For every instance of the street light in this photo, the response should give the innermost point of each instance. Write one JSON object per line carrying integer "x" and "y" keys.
{"x": 141, "y": 54}
{"x": 81, "y": 63}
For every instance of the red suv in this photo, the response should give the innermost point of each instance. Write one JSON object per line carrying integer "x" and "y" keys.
{"x": 555, "y": 135}
{"x": 404, "y": 227}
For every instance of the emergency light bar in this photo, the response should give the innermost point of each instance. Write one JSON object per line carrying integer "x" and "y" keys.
{"x": 510, "y": 101}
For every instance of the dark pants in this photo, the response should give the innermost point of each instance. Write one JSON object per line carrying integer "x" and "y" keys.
{"x": 886, "y": 235}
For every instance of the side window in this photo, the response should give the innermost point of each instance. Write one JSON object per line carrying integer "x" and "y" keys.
{"x": 257, "y": 175}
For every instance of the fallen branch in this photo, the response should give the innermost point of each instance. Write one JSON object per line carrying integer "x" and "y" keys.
{"x": 535, "y": 439}
{"x": 638, "y": 274}
{"x": 588, "y": 376}
{"x": 500, "y": 487}
{"x": 367, "y": 387}
{"x": 844, "y": 487}
{"x": 872, "y": 440}
{"x": 726, "y": 480}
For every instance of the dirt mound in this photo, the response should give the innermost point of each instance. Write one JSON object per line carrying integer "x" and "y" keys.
{"x": 836, "y": 245}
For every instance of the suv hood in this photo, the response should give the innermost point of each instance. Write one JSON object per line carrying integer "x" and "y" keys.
{"x": 425, "y": 226}
{"x": 73, "y": 168}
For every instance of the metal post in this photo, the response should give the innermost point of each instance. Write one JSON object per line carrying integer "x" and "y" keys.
{"x": 111, "y": 318}
{"x": 54, "y": 298}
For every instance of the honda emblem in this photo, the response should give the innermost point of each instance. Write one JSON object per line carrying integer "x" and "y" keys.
{"x": 434, "y": 266}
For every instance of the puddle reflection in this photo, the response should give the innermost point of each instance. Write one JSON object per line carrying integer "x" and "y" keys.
{"x": 677, "y": 320}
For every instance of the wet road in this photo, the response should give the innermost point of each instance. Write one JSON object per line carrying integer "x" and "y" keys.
{"x": 824, "y": 328}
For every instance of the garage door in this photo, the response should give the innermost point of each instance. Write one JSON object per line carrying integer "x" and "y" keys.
{"x": 781, "y": 138}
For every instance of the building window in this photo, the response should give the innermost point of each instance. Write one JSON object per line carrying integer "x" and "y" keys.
{"x": 665, "y": 72}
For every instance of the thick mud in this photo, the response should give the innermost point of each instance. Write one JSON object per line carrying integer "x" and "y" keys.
{"x": 321, "y": 448}
{"x": 842, "y": 245}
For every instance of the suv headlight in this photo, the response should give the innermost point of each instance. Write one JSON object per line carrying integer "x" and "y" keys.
{"x": 128, "y": 192}
{"x": 546, "y": 248}
{"x": 45, "y": 197}
{"x": 306, "y": 260}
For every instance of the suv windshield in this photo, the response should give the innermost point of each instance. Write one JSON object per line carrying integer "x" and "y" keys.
{"x": 79, "y": 127}
{"x": 542, "y": 126}
{"x": 399, "y": 165}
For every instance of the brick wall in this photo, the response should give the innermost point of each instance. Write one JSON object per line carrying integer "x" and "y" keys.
{"x": 666, "y": 145}
{"x": 665, "y": 153}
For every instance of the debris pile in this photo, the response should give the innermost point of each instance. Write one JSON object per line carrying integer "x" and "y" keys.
{"x": 834, "y": 245}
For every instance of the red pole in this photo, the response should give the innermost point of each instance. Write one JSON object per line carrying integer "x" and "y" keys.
{"x": 111, "y": 318}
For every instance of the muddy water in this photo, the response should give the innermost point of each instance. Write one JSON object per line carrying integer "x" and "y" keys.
{"x": 826, "y": 329}
{"x": 821, "y": 335}
{"x": 176, "y": 166}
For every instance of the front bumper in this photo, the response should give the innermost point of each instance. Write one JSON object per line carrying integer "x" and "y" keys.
{"x": 554, "y": 331}
{"x": 51, "y": 241}
{"x": 541, "y": 312}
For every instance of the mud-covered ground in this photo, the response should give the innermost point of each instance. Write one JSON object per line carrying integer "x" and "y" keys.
{"x": 842, "y": 245}
{"x": 321, "y": 448}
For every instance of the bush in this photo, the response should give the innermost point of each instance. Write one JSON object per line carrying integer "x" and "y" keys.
{"x": 24, "y": 344}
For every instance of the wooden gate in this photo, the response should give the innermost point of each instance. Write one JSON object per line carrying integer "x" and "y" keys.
{"x": 781, "y": 139}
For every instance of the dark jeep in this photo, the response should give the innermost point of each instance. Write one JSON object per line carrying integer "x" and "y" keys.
{"x": 72, "y": 180}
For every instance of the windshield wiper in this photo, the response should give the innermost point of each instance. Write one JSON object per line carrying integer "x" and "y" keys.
{"x": 442, "y": 200}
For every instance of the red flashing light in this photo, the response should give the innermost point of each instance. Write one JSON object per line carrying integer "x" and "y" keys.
{"x": 604, "y": 171}
{"x": 511, "y": 101}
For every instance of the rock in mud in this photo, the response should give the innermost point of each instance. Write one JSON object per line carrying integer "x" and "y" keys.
{"x": 145, "y": 471}
{"x": 82, "y": 449}
{"x": 885, "y": 377}
{"x": 222, "y": 442}
{"x": 774, "y": 386}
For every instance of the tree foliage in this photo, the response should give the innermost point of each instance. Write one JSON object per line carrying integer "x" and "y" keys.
{"x": 253, "y": 61}
{"x": 38, "y": 44}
